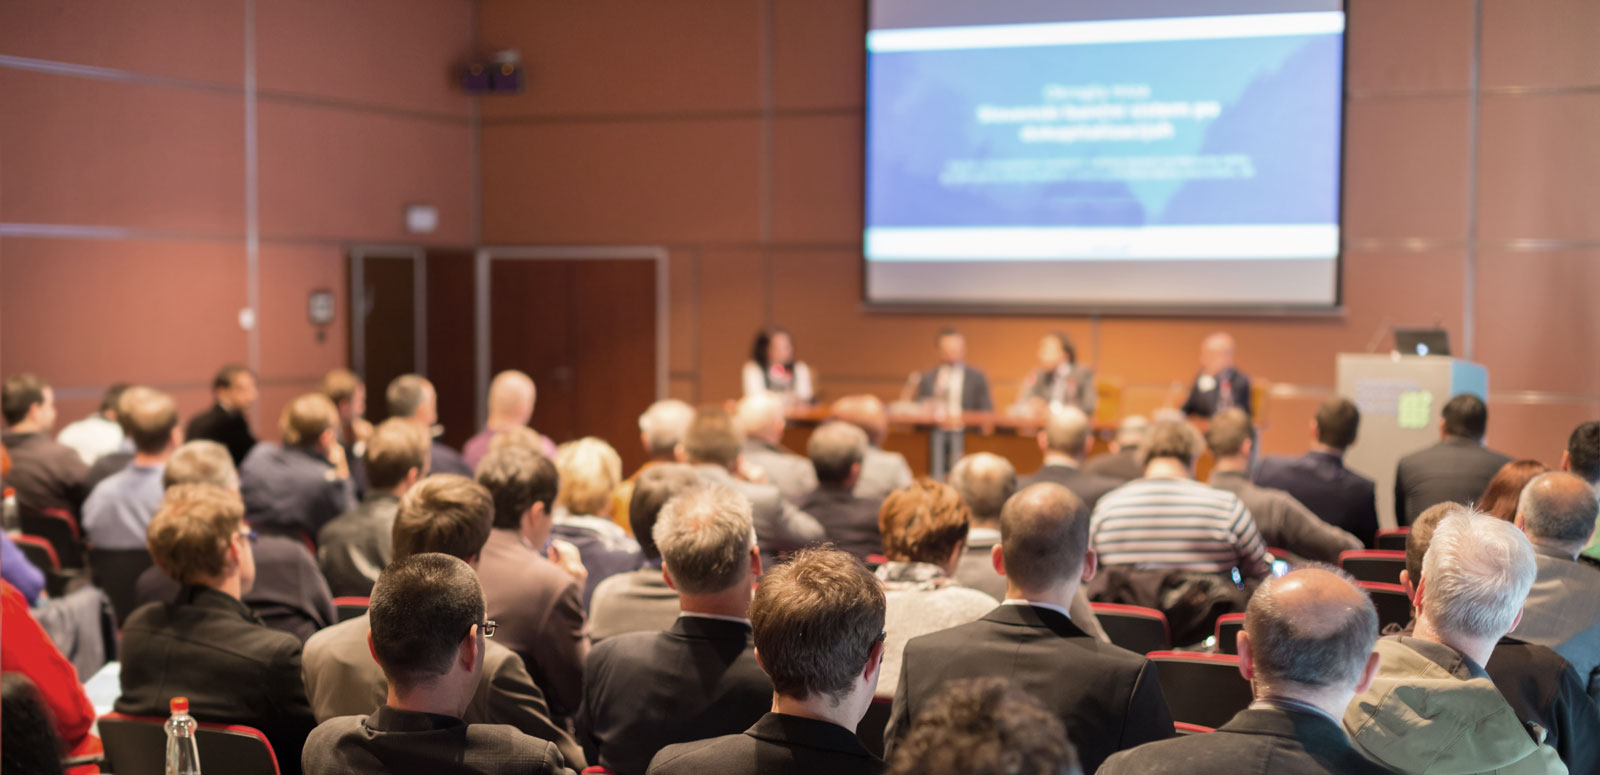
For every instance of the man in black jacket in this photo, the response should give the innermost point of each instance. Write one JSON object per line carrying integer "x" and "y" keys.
{"x": 1458, "y": 468}
{"x": 1107, "y": 697}
{"x": 1307, "y": 650}
{"x": 1340, "y": 497}
{"x": 234, "y": 390}
{"x": 1065, "y": 441}
{"x": 837, "y": 450}
{"x": 1219, "y": 385}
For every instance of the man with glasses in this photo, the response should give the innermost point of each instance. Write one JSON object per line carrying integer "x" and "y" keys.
{"x": 429, "y": 634}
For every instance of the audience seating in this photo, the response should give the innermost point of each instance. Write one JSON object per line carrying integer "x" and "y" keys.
{"x": 1203, "y": 689}
{"x": 1394, "y": 607}
{"x": 1373, "y": 565}
{"x": 137, "y": 745}
{"x": 1135, "y": 628}
{"x": 43, "y": 556}
{"x": 875, "y": 724}
{"x": 1393, "y": 539}
{"x": 1228, "y": 627}
{"x": 1190, "y": 729}
{"x": 350, "y": 607}
{"x": 117, "y": 572}
{"x": 59, "y": 528}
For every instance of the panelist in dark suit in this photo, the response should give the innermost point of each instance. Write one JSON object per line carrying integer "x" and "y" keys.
{"x": 837, "y": 451}
{"x": 1219, "y": 385}
{"x": 1319, "y": 480}
{"x": 1457, "y": 469}
{"x": 818, "y": 625}
{"x": 1065, "y": 441}
{"x": 428, "y": 632}
{"x": 1059, "y": 381}
{"x": 1306, "y": 650}
{"x": 953, "y": 385}
{"x": 1108, "y": 698}
{"x": 643, "y": 691}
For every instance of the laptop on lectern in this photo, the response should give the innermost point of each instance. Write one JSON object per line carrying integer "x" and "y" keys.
{"x": 1422, "y": 341}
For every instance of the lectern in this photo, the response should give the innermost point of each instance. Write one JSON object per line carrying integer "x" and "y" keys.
{"x": 1400, "y": 397}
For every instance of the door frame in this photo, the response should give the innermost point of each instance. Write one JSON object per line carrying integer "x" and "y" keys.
{"x": 358, "y": 303}
{"x": 659, "y": 254}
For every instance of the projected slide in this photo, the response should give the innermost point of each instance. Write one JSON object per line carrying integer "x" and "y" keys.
{"x": 1188, "y": 161}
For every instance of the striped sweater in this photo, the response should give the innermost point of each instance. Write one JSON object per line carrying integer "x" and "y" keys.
{"x": 1177, "y": 524}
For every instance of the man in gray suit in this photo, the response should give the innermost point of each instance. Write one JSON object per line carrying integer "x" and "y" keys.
{"x": 641, "y": 601}
{"x": 1557, "y": 511}
{"x": 712, "y": 447}
{"x": 1457, "y": 469}
{"x": 882, "y": 471}
{"x": 761, "y": 418}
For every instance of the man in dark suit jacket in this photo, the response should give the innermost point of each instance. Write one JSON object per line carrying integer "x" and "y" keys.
{"x": 206, "y": 644}
{"x": 413, "y": 398}
{"x": 1307, "y": 650}
{"x": 1456, "y": 469}
{"x": 700, "y": 679}
{"x": 1108, "y": 698}
{"x": 954, "y": 384}
{"x": 234, "y": 389}
{"x": 1219, "y": 385}
{"x": 1122, "y": 462}
{"x": 428, "y": 632}
{"x": 818, "y": 626}
{"x": 641, "y": 600}
{"x": 837, "y": 450}
{"x": 1319, "y": 480}
{"x": 1065, "y": 441}
{"x": 45, "y": 473}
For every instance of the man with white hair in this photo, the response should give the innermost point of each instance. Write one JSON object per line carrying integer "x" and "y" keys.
{"x": 661, "y": 430}
{"x": 1557, "y": 511}
{"x": 761, "y": 417}
{"x": 1433, "y": 707}
{"x": 1065, "y": 441}
{"x": 511, "y": 399}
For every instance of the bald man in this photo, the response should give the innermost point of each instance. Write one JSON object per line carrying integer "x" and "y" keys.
{"x": 1557, "y": 511}
{"x": 1065, "y": 441}
{"x": 1306, "y": 650}
{"x": 761, "y": 417}
{"x": 882, "y": 471}
{"x": 1219, "y": 385}
{"x": 512, "y": 396}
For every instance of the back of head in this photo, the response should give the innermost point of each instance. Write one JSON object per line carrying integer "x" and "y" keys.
{"x": 28, "y": 729}
{"x": 18, "y": 394}
{"x": 1559, "y": 509}
{"x": 1466, "y": 417}
{"x": 864, "y": 411}
{"x": 189, "y": 535}
{"x": 1044, "y": 537}
{"x": 985, "y": 481}
{"x": 1067, "y": 431}
{"x": 1172, "y": 440}
{"x": 923, "y": 522}
{"x": 816, "y": 619}
{"x": 517, "y": 436}
{"x": 835, "y": 448}
{"x": 985, "y": 726}
{"x": 201, "y": 462}
{"x": 1230, "y": 429}
{"x": 1583, "y": 451}
{"x": 111, "y": 400}
{"x": 713, "y": 437}
{"x": 1311, "y": 628}
{"x": 394, "y": 448}
{"x": 664, "y": 425}
{"x": 517, "y": 478}
{"x": 655, "y": 486}
{"x": 225, "y": 376}
{"x": 407, "y": 394}
{"x": 1476, "y": 575}
{"x": 1132, "y": 430}
{"x": 148, "y": 417}
{"x": 590, "y": 472}
{"x": 422, "y": 606}
{"x": 1422, "y": 534}
{"x": 704, "y": 536}
{"x": 1338, "y": 419}
{"x": 759, "y": 412}
{"x": 444, "y": 513}
{"x": 512, "y": 396}
{"x": 1500, "y": 496}
{"x": 306, "y": 418}
{"x": 341, "y": 385}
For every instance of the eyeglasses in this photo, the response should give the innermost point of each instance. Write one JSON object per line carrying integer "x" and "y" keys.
{"x": 488, "y": 628}
{"x": 249, "y": 534}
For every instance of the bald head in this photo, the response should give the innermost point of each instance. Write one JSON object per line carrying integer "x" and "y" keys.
{"x": 1558, "y": 509}
{"x": 1067, "y": 432}
{"x": 984, "y": 481}
{"x": 761, "y": 416}
{"x": 1044, "y": 537}
{"x": 1216, "y": 353}
{"x": 865, "y": 412}
{"x": 511, "y": 398}
{"x": 1310, "y": 629}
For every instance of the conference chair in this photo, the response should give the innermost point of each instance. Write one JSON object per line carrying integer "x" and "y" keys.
{"x": 1390, "y": 600}
{"x": 1378, "y": 565}
{"x": 350, "y": 607}
{"x": 1393, "y": 539}
{"x": 116, "y": 572}
{"x": 1228, "y": 628}
{"x": 59, "y": 528}
{"x": 40, "y": 554}
{"x": 1203, "y": 689}
{"x": 137, "y": 745}
{"x": 875, "y": 725}
{"x": 1135, "y": 628}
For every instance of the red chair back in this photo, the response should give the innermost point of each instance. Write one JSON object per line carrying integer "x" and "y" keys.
{"x": 1135, "y": 628}
{"x": 59, "y": 528}
{"x": 1203, "y": 689}
{"x": 1228, "y": 627}
{"x": 1393, "y": 539}
{"x": 350, "y": 607}
{"x": 1378, "y": 565}
{"x": 1394, "y": 607}
{"x": 137, "y": 745}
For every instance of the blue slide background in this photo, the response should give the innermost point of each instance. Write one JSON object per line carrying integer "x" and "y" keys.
{"x": 1281, "y": 106}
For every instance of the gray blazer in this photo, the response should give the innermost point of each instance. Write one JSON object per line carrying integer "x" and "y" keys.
{"x": 780, "y": 527}
{"x": 882, "y": 472}
{"x": 637, "y": 601}
{"x": 1563, "y": 613}
{"x": 790, "y": 473}
{"x": 1452, "y": 470}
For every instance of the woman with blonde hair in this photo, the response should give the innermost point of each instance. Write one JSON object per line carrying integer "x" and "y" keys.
{"x": 590, "y": 471}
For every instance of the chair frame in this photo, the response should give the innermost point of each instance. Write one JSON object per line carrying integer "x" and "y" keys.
{"x": 234, "y": 729}
{"x": 1137, "y": 611}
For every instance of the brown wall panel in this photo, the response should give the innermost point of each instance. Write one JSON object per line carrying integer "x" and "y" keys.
{"x": 199, "y": 41}
{"x": 1539, "y": 167}
{"x": 1537, "y": 431}
{"x": 816, "y": 179}
{"x": 1537, "y": 320}
{"x": 1414, "y": 45}
{"x": 732, "y": 310}
{"x": 1405, "y": 168}
{"x": 817, "y": 55}
{"x": 683, "y": 311}
{"x": 290, "y": 346}
{"x": 1548, "y": 43}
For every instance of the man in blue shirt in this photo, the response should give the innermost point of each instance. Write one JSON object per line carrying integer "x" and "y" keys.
{"x": 118, "y": 511}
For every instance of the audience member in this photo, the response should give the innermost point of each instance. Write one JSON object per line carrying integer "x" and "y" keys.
{"x": 1582, "y": 455}
{"x": 27, "y": 650}
{"x": 1122, "y": 463}
{"x": 428, "y": 632}
{"x": 1108, "y": 698}
{"x": 233, "y": 390}
{"x": 442, "y": 514}
{"x": 356, "y": 546}
{"x": 1557, "y": 511}
{"x": 641, "y": 600}
{"x": 837, "y": 450}
{"x": 206, "y": 644}
{"x": 296, "y": 487}
{"x": 1059, "y": 382}
{"x": 1500, "y": 497}
{"x": 1284, "y": 523}
{"x": 818, "y": 630}
{"x": 953, "y": 386}
{"x": 512, "y": 396}
{"x": 772, "y": 368}
{"x": 411, "y": 397}
{"x": 1424, "y": 712}
{"x": 699, "y": 679}
{"x": 46, "y": 474}
{"x": 1456, "y": 469}
{"x": 32, "y": 746}
{"x": 661, "y": 430}
{"x": 538, "y": 603}
{"x": 882, "y": 472}
{"x": 712, "y": 445}
{"x": 590, "y": 471}
{"x": 1065, "y": 441}
{"x": 118, "y": 511}
{"x": 1219, "y": 385}
{"x": 986, "y": 726}
{"x": 1306, "y": 650}
{"x": 100, "y": 433}
{"x": 349, "y": 396}
{"x": 1339, "y": 496}
{"x": 762, "y": 420}
{"x": 200, "y": 462}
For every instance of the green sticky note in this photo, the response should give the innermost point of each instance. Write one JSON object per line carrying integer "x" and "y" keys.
{"x": 1416, "y": 409}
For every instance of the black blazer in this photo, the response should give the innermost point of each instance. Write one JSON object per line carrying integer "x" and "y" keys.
{"x": 1108, "y": 698}
{"x": 210, "y": 648}
{"x": 974, "y": 388}
{"x": 403, "y": 742}
{"x": 1543, "y": 689}
{"x": 1122, "y": 465}
{"x": 1266, "y": 741}
{"x": 778, "y": 744}
{"x": 1087, "y": 486}
{"x": 644, "y": 691}
{"x": 1453, "y": 470}
{"x": 850, "y": 522}
{"x": 1339, "y": 496}
{"x": 1203, "y": 403}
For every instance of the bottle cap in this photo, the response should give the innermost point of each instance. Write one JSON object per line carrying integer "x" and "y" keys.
{"x": 180, "y": 704}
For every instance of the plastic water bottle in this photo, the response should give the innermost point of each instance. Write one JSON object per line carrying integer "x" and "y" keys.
{"x": 183, "y": 756}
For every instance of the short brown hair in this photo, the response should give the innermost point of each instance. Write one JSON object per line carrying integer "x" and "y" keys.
{"x": 713, "y": 437}
{"x": 189, "y": 535}
{"x": 394, "y": 448}
{"x": 148, "y": 417}
{"x": 1230, "y": 429}
{"x": 1174, "y": 439}
{"x": 923, "y": 522}
{"x": 1044, "y": 535}
{"x": 340, "y": 385}
{"x": 816, "y": 619}
{"x": 201, "y": 462}
{"x": 704, "y": 536}
{"x": 422, "y": 607}
{"x": 1422, "y": 534}
{"x": 517, "y": 436}
{"x": 651, "y": 490}
{"x": 306, "y": 418}
{"x": 444, "y": 513}
{"x": 516, "y": 478}
{"x": 1338, "y": 421}
{"x": 19, "y": 393}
